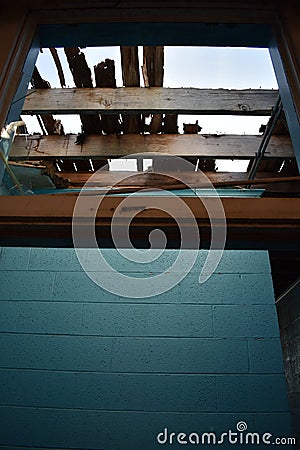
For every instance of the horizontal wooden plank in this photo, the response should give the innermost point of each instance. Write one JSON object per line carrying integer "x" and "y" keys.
{"x": 167, "y": 181}
{"x": 150, "y": 100}
{"x": 61, "y": 206}
{"x": 114, "y": 146}
{"x": 45, "y": 220}
{"x": 145, "y": 179}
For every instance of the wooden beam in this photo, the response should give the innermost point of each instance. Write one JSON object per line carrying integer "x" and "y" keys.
{"x": 131, "y": 78}
{"x": 166, "y": 181}
{"x": 130, "y": 65}
{"x": 46, "y": 220}
{"x": 153, "y": 65}
{"x": 151, "y": 100}
{"x": 114, "y": 146}
{"x": 145, "y": 179}
{"x": 105, "y": 78}
{"x": 47, "y": 120}
{"x": 153, "y": 73}
{"x": 82, "y": 77}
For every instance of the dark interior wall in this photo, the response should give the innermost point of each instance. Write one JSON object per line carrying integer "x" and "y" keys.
{"x": 288, "y": 308}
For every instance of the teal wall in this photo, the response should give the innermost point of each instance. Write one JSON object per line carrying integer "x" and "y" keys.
{"x": 85, "y": 369}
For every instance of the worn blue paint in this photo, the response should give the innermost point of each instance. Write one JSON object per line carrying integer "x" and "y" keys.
{"x": 241, "y": 193}
{"x": 84, "y": 369}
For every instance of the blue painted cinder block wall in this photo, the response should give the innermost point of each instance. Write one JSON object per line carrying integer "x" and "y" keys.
{"x": 82, "y": 368}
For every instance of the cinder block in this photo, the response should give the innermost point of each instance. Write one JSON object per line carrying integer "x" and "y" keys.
{"x": 147, "y": 320}
{"x": 152, "y": 261}
{"x": 227, "y": 289}
{"x": 3, "y": 382}
{"x": 265, "y": 356}
{"x": 245, "y": 321}
{"x": 245, "y": 261}
{"x": 8, "y": 316}
{"x": 110, "y": 430}
{"x": 22, "y": 285}
{"x": 232, "y": 261}
{"x": 14, "y": 258}
{"x": 180, "y": 320}
{"x": 56, "y": 352}
{"x": 54, "y": 259}
{"x": 106, "y": 319}
{"x": 40, "y": 317}
{"x": 145, "y": 392}
{"x": 179, "y": 355}
{"x": 231, "y": 355}
{"x": 77, "y": 286}
{"x": 88, "y": 369}
{"x": 262, "y": 393}
{"x": 39, "y": 388}
{"x": 110, "y": 391}
{"x": 194, "y": 393}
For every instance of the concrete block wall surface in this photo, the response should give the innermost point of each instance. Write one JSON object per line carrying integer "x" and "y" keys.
{"x": 82, "y": 368}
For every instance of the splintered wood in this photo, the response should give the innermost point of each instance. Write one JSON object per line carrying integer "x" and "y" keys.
{"x": 127, "y": 120}
{"x": 115, "y": 146}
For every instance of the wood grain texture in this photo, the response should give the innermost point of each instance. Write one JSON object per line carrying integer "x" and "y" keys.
{"x": 194, "y": 145}
{"x": 169, "y": 180}
{"x": 82, "y": 77}
{"x": 151, "y": 100}
{"x": 131, "y": 78}
{"x": 46, "y": 220}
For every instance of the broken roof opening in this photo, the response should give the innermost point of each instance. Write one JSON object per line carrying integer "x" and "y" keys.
{"x": 171, "y": 67}
{"x": 241, "y": 75}
{"x": 198, "y": 67}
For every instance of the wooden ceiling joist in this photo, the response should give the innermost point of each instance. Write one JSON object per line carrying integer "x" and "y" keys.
{"x": 47, "y": 120}
{"x": 153, "y": 73}
{"x": 150, "y": 100}
{"x": 105, "y": 78}
{"x": 131, "y": 78}
{"x": 168, "y": 180}
{"x": 130, "y": 65}
{"x": 82, "y": 77}
{"x": 114, "y": 146}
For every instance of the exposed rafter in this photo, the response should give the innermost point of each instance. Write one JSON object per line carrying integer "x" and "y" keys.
{"x": 151, "y": 100}
{"x": 185, "y": 145}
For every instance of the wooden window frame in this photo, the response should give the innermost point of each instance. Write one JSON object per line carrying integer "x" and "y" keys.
{"x": 18, "y": 32}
